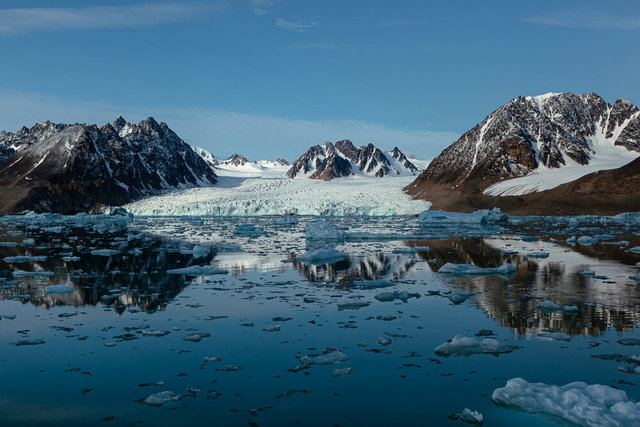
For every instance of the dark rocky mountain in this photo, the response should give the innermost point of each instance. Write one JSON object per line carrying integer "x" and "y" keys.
{"x": 72, "y": 168}
{"x": 343, "y": 159}
{"x": 551, "y": 130}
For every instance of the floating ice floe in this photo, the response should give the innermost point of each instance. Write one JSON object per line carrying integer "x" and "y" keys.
{"x": 469, "y": 416}
{"x": 59, "y": 289}
{"x": 577, "y": 402}
{"x": 328, "y": 357}
{"x": 323, "y": 230}
{"x": 38, "y": 272}
{"x": 467, "y": 346}
{"x": 339, "y": 372}
{"x": 196, "y": 336}
{"x": 24, "y": 258}
{"x": 459, "y": 297}
{"x": 198, "y": 270}
{"x": 28, "y": 342}
{"x": 155, "y": 333}
{"x": 483, "y": 217}
{"x": 558, "y": 336}
{"x": 321, "y": 256}
{"x": 372, "y": 284}
{"x": 70, "y": 258}
{"x": 587, "y": 240}
{"x": 105, "y": 252}
{"x": 353, "y": 305}
{"x": 197, "y": 251}
{"x": 411, "y": 250}
{"x": 538, "y": 254}
{"x": 635, "y": 249}
{"x": 549, "y": 306}
{"x": 159, "y": 399}
{"x": 472, "y": 270}
{"x": 392, "y": 296}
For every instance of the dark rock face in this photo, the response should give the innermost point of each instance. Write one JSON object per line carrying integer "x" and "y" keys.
{"x": 343, "y": 159}
{"x": 236, "y": 160}
{"x": 72, "y": 168}
{"x": 282, "y": 161}
{"x": 525, "y": 133}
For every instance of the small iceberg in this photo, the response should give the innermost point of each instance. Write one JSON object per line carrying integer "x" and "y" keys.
{"x": 577, "y": 403}
{"x": 549, "y": 306}
{"x": 159, "y": 399}
{"x": 467, "y": 346}
{"x": 328, "y": 357}
{"x": 59, "y": 289}
{"x": 482, "y": 217}
{"x": 392, "y": 296}
{"x": 198, "y": 270}
{"x": 105, "y": 252}
{"x": 322, "y": 230}
{"x": 321, "y": 256}
{"x": 474, "y": 270}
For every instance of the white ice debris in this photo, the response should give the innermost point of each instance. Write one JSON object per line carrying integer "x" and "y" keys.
{"x": 470, "y": 269}
{"x": 484, "y": 217}
{"x": 37, "y": 272}
{"x": 321, "y": 256}
{"x": 392, "y": 296}
{"x": 196, "y": 336}
{"x": 538, "y": 254}
{"x": 159, "y": 399}
{"x": 339, "y": 372}
{"x": 459, "y": 297}
{"x": 578, "y": 403}
{"x": 466, "y": 346}
{"x": 548, "y": 305}
{"x": 105, "y": 252}
{"x": 372, "y": 284}
{"x": 559, "y": 336}
{"x": 328, "y": 357}
{"x": 59, "y": 289}
{"x": 198, "y": 270}
{"x": 197, "y": 251}
{"x": 24, "y": 258}
{"x": 469, "y": 416}
{"x": 323, "y": 230}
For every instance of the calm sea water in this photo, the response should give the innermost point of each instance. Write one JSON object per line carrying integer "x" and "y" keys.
{"x": 87, "y": 335}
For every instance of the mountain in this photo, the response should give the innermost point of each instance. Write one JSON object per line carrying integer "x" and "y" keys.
{"x": 238, "y": 166}
{"x": 72, "y": 168}
{"x": 532, "y": 144}
{"x": 343, "y": 159}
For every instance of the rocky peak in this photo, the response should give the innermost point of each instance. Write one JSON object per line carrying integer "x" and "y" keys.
{"x": 237, "y": 160}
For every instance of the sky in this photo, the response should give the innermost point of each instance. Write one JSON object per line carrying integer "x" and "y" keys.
{"x": 269, "y": 78}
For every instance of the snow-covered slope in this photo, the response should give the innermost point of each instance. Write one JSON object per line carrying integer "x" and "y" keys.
{"x": 280, "y": 196}
{"x": 343, "y": 159}
{"x": 238, "y": 166}
{"x": 538, "y": 135}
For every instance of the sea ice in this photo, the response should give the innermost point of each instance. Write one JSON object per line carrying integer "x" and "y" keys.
{"x": 38, "y": 272}
{"x": 559, "y": 336}
{"x": 321, "y": 256}
{"x": 328, "y": 357}
{"x": 196, "y": 336}
{"x": 459, "y": 297}
{"x": 339, "y": 372}
{"x": 483, "y": 217}
{"x": 470, "y": 269}
{"x": 577, "y": 402}
{"x": 197, "y": 251}
{"x": 372, "y": 284}
{"x": 105, "y": 252}
{"x": 323, "y": 230}
{"x": 538, "y": 254}
{"x": 59, "y": 289}
{"x": 198, "y": 270}
{"x": 24, "y": 258}
{"x": 466, "y": 346}
{"x": 549, "y": 306}
{"x": 159, "y": 399}
{"x": 391, "y": 296}
{"x": 469, "y": 416}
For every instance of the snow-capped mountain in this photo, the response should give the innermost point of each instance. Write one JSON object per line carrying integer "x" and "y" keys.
{"x": 237, "y": 165}
{"x": 537, "y": 135}
{"x": 343, "y": 159}
{"x": 69, "y": 168}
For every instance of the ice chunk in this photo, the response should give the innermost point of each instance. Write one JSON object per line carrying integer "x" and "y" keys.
{"x": 352, "y": 305}
{"x": 37, "y": 272}
{"x": 272, "y": 328}
{"x": 198, "y": 270}
{"x": 196, "y": 336}
{"x": 59, "y": 289}
{"x": 635, "y": 249}
{"x": 469, "y": 416}
{"x": 577, "y": 402}
{"x": 411, "y": 250}
{"x": 321, "y": 256}
{"x": 24, "y": 258}
{"x": 372, "y": 284}
{"x": 197, "y": 251}
{"x": 105, "y": 252}
{"x": 339, "y": 372}
{"x": 328, "y": 357}
{"x": 28, "y": 342}
{"x": 159, "y": 399}
{"x": 549, "y": 306}
{"x": 155, "y": 333}
{"x": 470, "y": 269}
{"x": 391, "y": 296}
{"x": 466, "y": 346}
{"x": 538, "y": 254}
{"x": 208, "y": 359}
{"x": 587, "y": 240}
{"x": 459, "y": 297}
{"x": 560, "y": 336}
{"x": 484, "y": 217}
{"x": 323, "y": 230}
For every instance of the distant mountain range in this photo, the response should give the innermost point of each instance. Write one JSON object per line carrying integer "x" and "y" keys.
{"x": 343, "y": 159}
{"x": 531, "y": 145}
{"x": 71, "y": 168}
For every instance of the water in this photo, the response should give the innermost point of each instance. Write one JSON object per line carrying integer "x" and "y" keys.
{"x": 118, "y": 336}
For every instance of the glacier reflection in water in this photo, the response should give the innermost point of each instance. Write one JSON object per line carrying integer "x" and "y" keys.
{"x": 95, "y": 327}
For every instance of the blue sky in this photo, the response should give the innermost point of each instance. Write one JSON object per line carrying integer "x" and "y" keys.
{"x": 268, "y": 78}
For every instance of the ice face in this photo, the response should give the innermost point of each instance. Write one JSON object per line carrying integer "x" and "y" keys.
{"x": 577, "y": 402}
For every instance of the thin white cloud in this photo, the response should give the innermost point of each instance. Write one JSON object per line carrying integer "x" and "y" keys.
{"x": 223, "y": 132}
{"x": 260, "y": 7}
{"x": 586, "y": 19}
{"x": 294, "y": 26}
{"x": 403, "y": 22}
{"x": 34, "y": 20}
